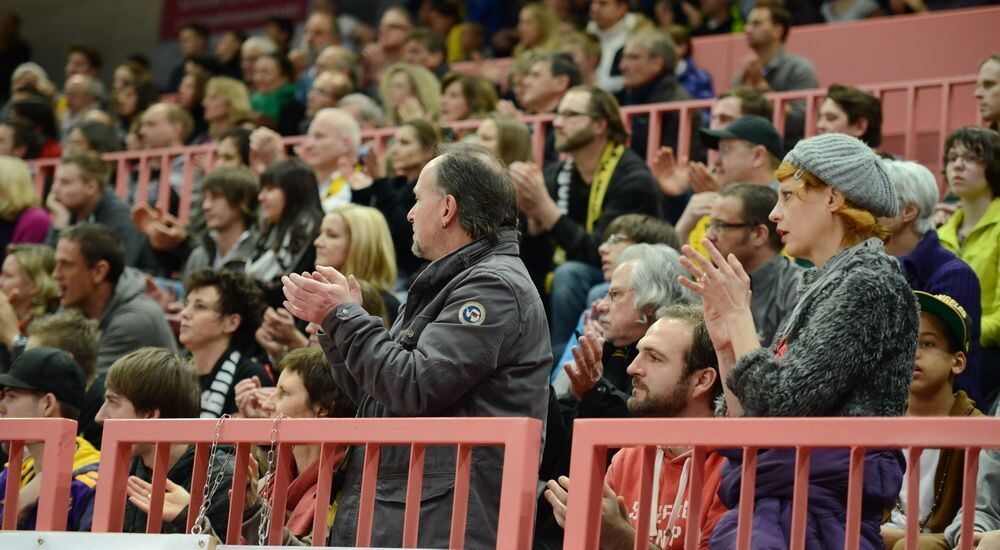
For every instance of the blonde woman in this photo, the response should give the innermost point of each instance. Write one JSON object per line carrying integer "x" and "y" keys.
{"x": 226, "y": 102}
{"x": 26, "y": 288}
{"x": 410, "y": 91}
{"x": 537, "y": 30}
{"x": 21, "y": 218}
{"x": 465, "y": 96}
{"x": 355, "y": 240}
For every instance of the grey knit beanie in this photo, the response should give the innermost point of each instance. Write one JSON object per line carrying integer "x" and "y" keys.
{"x": 849, "y": 166}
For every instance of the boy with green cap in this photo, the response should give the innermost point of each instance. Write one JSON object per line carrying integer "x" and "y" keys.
{"x": 942, "y": 351}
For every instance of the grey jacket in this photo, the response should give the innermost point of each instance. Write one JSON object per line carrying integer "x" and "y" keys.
{"x": 987, "y": 516}
{"x": 130, "y": 321}
{"x": 847, "y": 349}
{"x": 472, "y": 340}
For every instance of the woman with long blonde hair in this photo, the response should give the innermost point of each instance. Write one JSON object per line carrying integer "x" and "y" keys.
{"x": 22, "y": 220}
{"x": 226, "y": 103}
{"x": 410, "y": 91}
{"x": 26, "y": 282}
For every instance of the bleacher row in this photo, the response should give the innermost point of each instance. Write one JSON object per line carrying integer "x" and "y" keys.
{"x": 917, "y": 115}
{"x": 520, "y": 438}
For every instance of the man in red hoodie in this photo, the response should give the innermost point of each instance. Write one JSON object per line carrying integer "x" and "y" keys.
{"x": 675, "y": 375}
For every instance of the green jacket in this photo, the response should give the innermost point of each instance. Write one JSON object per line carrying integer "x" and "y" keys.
{"x": 271, "y": 103}
{"x": 981, "y": 250}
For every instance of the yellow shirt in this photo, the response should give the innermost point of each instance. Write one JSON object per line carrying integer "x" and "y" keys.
{"x": 981, "y": 250}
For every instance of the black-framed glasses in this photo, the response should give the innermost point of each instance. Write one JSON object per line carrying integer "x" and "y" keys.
{"x": 716, "y": 226}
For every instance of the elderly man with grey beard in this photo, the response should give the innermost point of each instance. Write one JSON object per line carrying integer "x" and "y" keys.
{"x": 472, "y": 341}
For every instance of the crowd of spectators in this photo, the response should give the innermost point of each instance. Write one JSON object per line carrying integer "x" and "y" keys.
{"x": 453, "y": 273}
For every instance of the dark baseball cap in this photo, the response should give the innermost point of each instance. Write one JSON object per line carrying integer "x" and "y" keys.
{"x": 48, "y": 370}
{"x": 753, "y": 128}
{"x": 950, "y": 312}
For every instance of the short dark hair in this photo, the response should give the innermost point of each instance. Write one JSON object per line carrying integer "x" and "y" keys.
{"x": 100, "y": 137}
{"x": 285, "y": 24}
{"x": 604, "y": 106}
{"x": 482, "y": 187}
{"x": 25, "y": 136}
{"x": 561, "y": 64}
{"x": 986, "y": 144}
{"x": 153, "y": 379}
{"x": 238, "y": 294}
{"x": 91, "y": 167}
{"x": 71, "y": 332}
{"x": 197, "y": 28}
{"x": 238, "y": 186}
{"x": 752, "y": 101}
{"x": 311, "y": 366}
{"x": 431, "y": 40}
{"x": 858, "y": 104}
{"x": 644, "y": 229}
{"x": 98, "y": 243}
{"x": 242, "y": 138}
{"x": 39, "y": 111}
{"x": 92, "y": 54}
{"x": 758, "y": 201}
{"x": 701, "y": 353}
{"x": 779, "y": 16}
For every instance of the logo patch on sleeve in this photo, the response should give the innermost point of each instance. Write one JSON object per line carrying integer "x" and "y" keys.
{"x": 472, "y": 313}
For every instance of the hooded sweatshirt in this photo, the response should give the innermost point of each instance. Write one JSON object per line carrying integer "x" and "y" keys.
{"x": 671, "y": 490}
{"x": 131, "y": 320}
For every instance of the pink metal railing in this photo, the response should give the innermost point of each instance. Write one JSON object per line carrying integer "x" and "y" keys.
{"x": 59, "y": 438}
{"x": 521, "y": 438}
{"x": 592, "y": 439}
{"x": 917, "y": 116}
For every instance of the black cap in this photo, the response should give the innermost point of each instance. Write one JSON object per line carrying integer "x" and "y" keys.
{"x": 753, "y": 128}
{"x": 48, "y": 370}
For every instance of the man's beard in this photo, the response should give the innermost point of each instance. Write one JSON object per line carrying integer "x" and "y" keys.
{"x": 417, "y": 250}
{"x": 661, "y": 406}
{"x": 576, "y": 140}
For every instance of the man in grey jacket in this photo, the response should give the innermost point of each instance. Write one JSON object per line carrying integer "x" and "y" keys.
{"x": 472, "y": 340}
{"x": 91, "y": 274}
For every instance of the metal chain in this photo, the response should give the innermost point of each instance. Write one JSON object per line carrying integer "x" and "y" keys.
{"x": 211, "y": 485}
{"x": 267, "y": 500}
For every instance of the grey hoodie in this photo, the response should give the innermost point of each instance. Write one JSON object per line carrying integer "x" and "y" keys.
{"x": 130, "y": 321}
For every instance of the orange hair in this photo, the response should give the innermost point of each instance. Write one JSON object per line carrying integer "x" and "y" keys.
{"x": 859, "y": 224}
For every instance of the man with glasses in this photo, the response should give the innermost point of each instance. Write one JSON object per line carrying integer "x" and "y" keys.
{"x": 739, "y": 225}
{"x": 570, "y": 205}
{"x": 749, "y": 150}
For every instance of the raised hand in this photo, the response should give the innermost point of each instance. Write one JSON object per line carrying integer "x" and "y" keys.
{"x": 672, "y": 177}
{"x": 175, "y": 498}
{"x": 586, "y": 369}
{"x": 312, "y": 296}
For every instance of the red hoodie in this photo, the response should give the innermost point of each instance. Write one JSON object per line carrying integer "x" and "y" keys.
{"x": 624, "y": 477}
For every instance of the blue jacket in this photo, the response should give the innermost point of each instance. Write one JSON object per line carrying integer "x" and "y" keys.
{"x": 827, "y": 507}
{"x": 932, "y": 268}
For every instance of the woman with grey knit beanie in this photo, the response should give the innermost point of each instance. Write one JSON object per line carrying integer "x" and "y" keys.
{"x": 846, "y": 349}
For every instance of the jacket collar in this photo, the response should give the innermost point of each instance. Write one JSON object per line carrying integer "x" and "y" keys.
{"x": 447, "y": 267}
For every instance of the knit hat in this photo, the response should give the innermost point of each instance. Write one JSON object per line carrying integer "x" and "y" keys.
{"x": 849, "y": 166}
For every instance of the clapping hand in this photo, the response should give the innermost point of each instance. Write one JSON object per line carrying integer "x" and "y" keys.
{"x": 312, "y": 296}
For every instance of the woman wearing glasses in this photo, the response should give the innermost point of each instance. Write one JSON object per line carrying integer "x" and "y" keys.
{"x": 846, "y": 349}
{"x": 972, "y": 167}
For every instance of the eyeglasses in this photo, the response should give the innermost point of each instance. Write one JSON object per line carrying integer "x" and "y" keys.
{"x": 717, "y": 227}
{"x": 967, "y": 158}
{"x": 569, "y": 114}
{"x": 616, "y": 238}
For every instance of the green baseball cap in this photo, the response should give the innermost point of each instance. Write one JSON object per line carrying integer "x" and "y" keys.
{"x": 947, "y": 309}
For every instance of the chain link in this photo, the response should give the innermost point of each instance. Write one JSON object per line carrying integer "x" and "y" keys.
{"x": 212, "y": 485}
{"x": 267, "y": 498}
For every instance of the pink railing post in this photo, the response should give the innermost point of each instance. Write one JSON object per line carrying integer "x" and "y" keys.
{"x": 58, "y": 438}
{"x": 970, "y": 476}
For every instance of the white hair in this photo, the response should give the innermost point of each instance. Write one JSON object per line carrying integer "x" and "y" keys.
{"x": 655, "y": 278}
{"x": 343, "y": 122}
{"x": 914, "y": 184}
{"x": 262, "y": 44}
{"x": 29, "y": 67}
{"x": 368, "y": 108}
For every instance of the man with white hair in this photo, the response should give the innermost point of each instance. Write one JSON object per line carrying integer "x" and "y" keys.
{"x": 331, "y": 146}
{"x": 644, "y": 283}
{"x": 926, "y": 264}
{"x": 253, "y": 49}
{"x": 364, "y": 109}
{"x": 81, "y": 92}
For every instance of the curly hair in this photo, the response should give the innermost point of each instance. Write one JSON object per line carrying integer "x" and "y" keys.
{"x": 238, "y": 294}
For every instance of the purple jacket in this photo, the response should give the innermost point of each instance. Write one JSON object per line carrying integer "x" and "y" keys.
{"x": 827, "y": 512}
{"x": 934, "y": 269}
